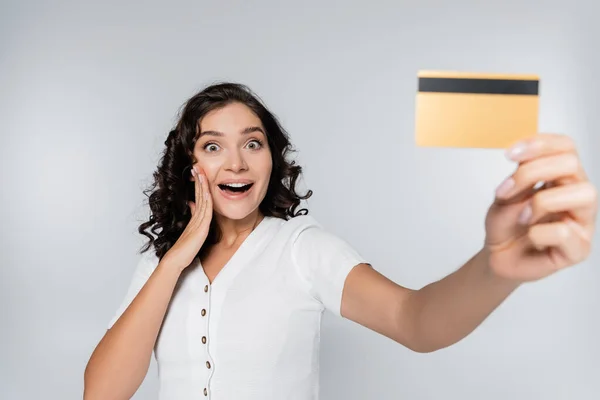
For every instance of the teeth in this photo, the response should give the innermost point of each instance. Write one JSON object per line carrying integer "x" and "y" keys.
{"x": 236, "y": 185}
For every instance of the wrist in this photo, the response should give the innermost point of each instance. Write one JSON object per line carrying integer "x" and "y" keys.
{"x": 170, "y": 267}
{"x": 491, "y": 271}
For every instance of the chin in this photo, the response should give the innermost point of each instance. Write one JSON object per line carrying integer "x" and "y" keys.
{"x": 234, "y": 212}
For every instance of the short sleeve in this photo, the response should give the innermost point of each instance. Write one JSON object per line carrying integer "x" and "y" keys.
{"x": 145, "y": 267}
{"x": 323, "y": 261}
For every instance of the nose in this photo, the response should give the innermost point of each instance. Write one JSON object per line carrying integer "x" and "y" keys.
{"x": 236, "y": 162}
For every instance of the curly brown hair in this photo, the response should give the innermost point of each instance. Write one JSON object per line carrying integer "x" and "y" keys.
{"x": 171, "y": 189}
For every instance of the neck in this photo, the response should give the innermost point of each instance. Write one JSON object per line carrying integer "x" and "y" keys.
{"x": 232, "y": 230}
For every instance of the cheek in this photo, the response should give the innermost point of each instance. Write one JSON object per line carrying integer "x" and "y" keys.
{"x": 265, "y": 165}
{"x": 210, "y": 167}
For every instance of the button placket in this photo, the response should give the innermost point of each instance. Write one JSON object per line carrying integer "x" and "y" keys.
{"x": 205, "y": 313}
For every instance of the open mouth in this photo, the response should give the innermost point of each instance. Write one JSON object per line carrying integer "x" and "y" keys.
{"x": 235, "y": 188}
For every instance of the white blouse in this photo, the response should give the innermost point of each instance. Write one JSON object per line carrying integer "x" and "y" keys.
{"x": 254, "y": 332}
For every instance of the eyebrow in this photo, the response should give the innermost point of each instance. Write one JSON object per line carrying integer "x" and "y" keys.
{"x": 245, "y": 131}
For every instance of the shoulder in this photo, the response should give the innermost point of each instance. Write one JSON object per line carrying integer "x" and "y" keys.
{"x": 300, "y": 229}
{"x": 309, "y": 238}
{"x": 289, "y": 229}
{"x": 321, "y": 259}
{"x": 300, "y": 234}
{"x": 301, "y": 223}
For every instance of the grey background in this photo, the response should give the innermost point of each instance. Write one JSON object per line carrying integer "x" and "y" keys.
{"x": 90, "y": 89}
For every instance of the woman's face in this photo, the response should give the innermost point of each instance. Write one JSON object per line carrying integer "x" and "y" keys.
{"x": 232, "y": 151}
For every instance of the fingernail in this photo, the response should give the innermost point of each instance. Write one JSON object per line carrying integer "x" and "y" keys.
{"x": 193, "y": 171}
{"x": 516, "y": 151}
{"x": 200, "y": 178}
{"x": 504, "y": 188}
{"x": 525, "y": 215}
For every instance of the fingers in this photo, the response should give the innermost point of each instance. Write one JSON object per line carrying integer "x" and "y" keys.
{"x": 541, "y": 145}
{"x": 545, "y": 161}
{"x": 198, "y": 195}
{"x": 560, "y": 204}
{"x": 579, "y": 200}
{"x": 564, "y": 167}
{"x": 564, "y": 238}
{"x": 203, "y": 203}
{"x": 567, "y": 238}
{"x": 207, "y": 198}
{"x": 204, "y": 194}
{"x": 546, "y": 169}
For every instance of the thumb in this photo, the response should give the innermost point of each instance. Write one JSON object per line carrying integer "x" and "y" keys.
{"x": 507, "y": 218}
{"x": 192, "y": 206}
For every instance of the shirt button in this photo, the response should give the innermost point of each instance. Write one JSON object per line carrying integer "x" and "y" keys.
{"x": 204, "y": 339}
{"x": 203, "y": 312}
{"x": 207, "y": 365}
{"x": 205, "y": 392}
{"x": 205, "y": 288}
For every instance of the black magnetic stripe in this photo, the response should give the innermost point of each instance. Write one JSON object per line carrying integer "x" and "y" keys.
{"x": 479, "y": 85}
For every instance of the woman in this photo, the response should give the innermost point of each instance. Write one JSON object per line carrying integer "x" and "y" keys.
{"x": 230, "y": 296}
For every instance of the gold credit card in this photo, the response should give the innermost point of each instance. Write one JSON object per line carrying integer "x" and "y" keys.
{"x": 463, "y": 109}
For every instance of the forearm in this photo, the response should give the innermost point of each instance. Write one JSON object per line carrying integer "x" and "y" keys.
{"x": 120, "y": 362}
{"x": 444, "y": 312}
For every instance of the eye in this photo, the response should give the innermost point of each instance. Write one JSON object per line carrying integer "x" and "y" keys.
{"x": 211, "y": 147}
{"x": 254, "y": 144}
